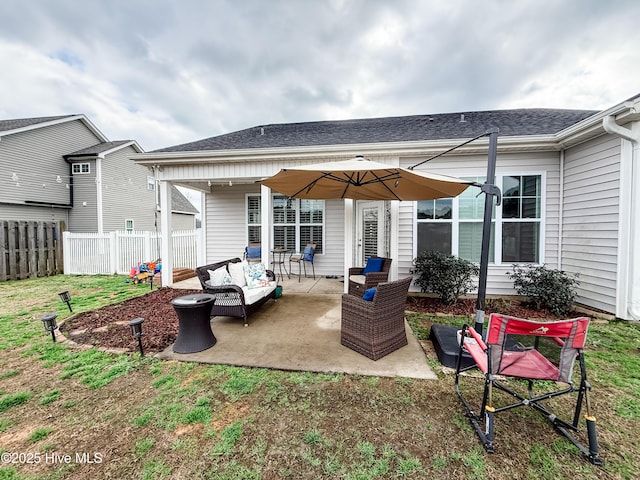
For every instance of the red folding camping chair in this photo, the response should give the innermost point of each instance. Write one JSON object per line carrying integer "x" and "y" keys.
{"x": 540, "y": 353}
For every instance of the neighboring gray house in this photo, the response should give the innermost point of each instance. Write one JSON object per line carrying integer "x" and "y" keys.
{"x": 183, "y": 213}
{"x": 570, "y": 181}
{"x": 64, "y": 169}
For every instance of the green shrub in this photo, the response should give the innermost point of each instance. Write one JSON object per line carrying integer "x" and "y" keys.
{"x": 445, "y": 275}
{"x": 546, "y": 288}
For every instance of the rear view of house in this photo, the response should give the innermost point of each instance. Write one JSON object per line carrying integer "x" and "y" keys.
{"x": 569, "y": 180}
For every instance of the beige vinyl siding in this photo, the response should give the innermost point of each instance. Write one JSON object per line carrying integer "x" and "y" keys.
{"x": 33, "y": 213}
{"x": 181, "y": 221}
{"x": 35, "y": 156}
{"x": 125, "y": 194}
{"x": 590, "y": 227}
{"x": 226, "y": 228}
{"x": 544, "y": 163}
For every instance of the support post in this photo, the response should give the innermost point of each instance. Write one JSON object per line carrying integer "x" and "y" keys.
{"x": 489, "y": 190}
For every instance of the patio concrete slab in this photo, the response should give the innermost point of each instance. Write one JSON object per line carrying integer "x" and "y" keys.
{"x": 301, "y": 331}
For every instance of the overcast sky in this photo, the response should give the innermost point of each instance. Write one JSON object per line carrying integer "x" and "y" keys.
{"x": 165, "y": 72}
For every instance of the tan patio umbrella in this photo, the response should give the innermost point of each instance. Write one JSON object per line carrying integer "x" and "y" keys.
{"x": 362, "y": 179}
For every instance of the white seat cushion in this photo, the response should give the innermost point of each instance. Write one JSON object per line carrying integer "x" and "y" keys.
{"x": 359, "y": 279}
{"x": 252, "y": 295}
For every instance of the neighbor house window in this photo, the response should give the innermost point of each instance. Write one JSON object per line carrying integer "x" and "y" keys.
{"x": 254, "y": 219}
{"x": 454, "y": 226}
{"x": 128, "y": 225}
{"x": 80, "y": 168}
{"x": 151, "y": 183}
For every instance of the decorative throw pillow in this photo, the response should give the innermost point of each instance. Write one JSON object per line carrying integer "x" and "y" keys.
{"x": 256, "y": 275}
{"x": 219, "y": 276}
{"x": 369, "y": 294}
{"x": 236, "y": 270}
{"x": 374, "y": 264}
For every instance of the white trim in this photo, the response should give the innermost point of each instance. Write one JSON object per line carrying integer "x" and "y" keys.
{"x": 167, "y": 243}
{"x": 58, "y": 121}
{"x": 498, "y": 221}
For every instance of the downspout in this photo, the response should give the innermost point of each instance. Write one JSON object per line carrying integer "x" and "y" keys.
{"x": 633, "y": 280}
{"x": 561, "y": 210}
{"x": 99, "y": 208}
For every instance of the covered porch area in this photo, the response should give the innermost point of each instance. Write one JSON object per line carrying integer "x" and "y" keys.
{"x": 301, "y": 332}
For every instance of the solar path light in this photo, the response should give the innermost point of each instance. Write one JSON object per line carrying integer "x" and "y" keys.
{"x": 136, "y": 331}
{"x": 66, "y": 298}
{"x": 49, "y": 322}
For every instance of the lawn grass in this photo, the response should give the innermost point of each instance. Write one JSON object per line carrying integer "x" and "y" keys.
{"x": 153, "y": 419}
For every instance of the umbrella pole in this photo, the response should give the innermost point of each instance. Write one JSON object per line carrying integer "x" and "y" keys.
{"x": 490, "y": 190}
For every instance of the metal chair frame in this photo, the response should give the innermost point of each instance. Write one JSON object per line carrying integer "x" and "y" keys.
{"x": 489, "y": 357}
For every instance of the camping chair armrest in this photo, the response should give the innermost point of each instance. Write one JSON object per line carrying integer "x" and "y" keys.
{"x": 467, "y": 331}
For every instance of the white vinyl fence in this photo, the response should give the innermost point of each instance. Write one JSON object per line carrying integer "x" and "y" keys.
{"x": 117, "y": 252}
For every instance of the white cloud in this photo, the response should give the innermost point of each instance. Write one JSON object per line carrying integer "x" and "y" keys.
{"x": 166, "y": 72}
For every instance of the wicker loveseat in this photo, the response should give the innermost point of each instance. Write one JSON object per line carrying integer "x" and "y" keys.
{"x": 376, "y": 328}
{"x": 359, "y": 281}
{"x": 234, "y": 300}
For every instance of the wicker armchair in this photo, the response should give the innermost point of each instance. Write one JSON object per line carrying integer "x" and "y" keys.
{"x": 376, "y": 328}
{"x": 358, "y": 283}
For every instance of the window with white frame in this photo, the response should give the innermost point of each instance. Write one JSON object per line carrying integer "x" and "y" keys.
{"x": 151, "y": 182}
{"x": 128, "y": 225}
{"x": 254, "y": 219}
{"x": 454, "y": 226}
{"x": 296, "y": 222}
{"x": 80, "y": 168}
{"x": 521, "y": 216}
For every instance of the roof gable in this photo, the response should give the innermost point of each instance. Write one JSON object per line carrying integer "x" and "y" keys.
{"x": 520, "y": 122}
{"x": 12, "y": 126}
{"x": 102, "y": 148}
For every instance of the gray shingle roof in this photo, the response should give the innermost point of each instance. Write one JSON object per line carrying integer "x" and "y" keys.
{"x": 179, "y": 202}
{"x": 536, "y": 121}
{"x": 13, "y": 124}
{"x": 97, "y": 149}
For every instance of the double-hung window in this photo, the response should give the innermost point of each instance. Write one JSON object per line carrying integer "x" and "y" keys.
{"x": 296, "y": 222}
{"x": 254, "y": 219}
{"x": 454, "y": 226}
{"x": 521, "y": 213}
{"x": 80, "y": 168}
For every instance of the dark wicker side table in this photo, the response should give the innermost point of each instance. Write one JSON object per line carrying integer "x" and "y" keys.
{"x": 194, "y": 327}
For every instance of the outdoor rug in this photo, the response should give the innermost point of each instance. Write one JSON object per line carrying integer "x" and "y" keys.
{"x": 301, "y": 332}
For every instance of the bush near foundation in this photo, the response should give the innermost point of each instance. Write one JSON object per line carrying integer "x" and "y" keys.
{"x": 546, "y": 288}
{"x": 447, "y": 276}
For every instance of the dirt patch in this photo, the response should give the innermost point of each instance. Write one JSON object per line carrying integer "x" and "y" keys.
{"x": 108, "y": 327}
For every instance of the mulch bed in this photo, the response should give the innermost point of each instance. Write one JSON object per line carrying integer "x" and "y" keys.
{"x": 108, "y": 327}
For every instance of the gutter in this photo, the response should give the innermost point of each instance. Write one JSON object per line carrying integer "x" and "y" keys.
{"x": 632, "y": 279}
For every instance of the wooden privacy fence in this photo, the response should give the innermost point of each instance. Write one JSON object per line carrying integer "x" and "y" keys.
{"x": 30, "y": 249}
{"x": 117, "y": 252}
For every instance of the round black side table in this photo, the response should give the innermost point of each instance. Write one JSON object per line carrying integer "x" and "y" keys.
{"x": 194, "y": 327}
